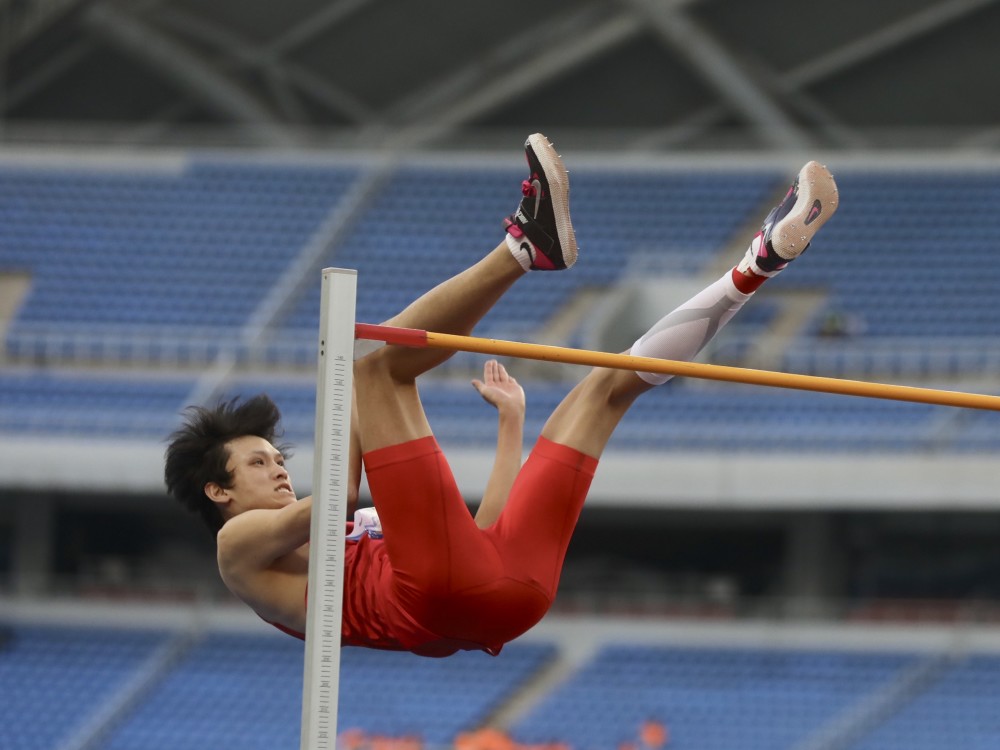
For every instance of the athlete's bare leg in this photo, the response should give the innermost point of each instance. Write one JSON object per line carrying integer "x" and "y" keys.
{"x": 540, "y": 236}
{"x": 388, "y": 404}
{"x": 454, "y": 306}
{"x": 588, "y": 416}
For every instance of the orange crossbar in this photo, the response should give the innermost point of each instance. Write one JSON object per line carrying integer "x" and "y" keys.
{"x": 498, "y": 347}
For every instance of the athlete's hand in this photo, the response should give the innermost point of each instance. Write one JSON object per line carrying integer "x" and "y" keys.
{"x": 499, "y": 389}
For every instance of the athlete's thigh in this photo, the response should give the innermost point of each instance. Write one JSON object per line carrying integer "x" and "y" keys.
{"x": 389, "y": 411}
{"x": 535, "y": 527}
{"x": 431, "y": 538}
{"x": 587, "y": 417}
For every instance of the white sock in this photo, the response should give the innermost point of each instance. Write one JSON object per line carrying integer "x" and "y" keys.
{"x": 685, "y": 331}
{"x": 520, "y": 249}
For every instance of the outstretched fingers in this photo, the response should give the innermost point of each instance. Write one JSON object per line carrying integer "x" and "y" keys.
{"x": 499, "y": 388}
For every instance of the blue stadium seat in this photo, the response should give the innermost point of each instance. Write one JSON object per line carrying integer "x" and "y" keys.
{"x": 53, "y": 679}
{"x": 401, "y": 248}
{"x": 199, "y": 248}
{"x": 710, "y": 699}
{"x": 958, "y": 710}
{"x": 139, "y": 256}
{"x": 49, "y": 402}
{"x": 245, "y": 691}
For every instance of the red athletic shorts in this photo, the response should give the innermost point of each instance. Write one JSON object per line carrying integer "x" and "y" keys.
{"x": 460, "y": 582}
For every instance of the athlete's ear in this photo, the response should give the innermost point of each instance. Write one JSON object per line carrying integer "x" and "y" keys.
{"x": 217, "y": 493}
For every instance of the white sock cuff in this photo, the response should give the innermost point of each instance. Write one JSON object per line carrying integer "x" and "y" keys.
{"x": 520, "y": 253}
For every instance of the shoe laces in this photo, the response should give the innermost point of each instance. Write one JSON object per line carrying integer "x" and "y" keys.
{"x": 527, "y": 187}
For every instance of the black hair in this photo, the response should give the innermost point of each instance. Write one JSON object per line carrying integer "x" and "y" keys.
{"x": 197, "y": 453}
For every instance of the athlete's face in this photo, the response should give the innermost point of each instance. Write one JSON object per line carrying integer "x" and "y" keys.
{"x": 259, "y": 476}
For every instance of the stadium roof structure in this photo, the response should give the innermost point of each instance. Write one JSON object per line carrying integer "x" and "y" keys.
{"x": 660, "y": 75}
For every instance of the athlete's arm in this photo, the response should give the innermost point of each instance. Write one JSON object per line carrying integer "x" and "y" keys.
{"x": 250, "y": 547}
{"x": 256, "y": 538}
{"x": 502, "y": 391}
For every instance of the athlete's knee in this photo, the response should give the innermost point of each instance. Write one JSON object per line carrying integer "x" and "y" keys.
{"x": 608, "y": 388}
{"x": 382, "y": 366}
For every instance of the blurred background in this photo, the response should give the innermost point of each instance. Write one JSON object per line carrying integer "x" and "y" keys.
{"x": 755, "y": 568}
